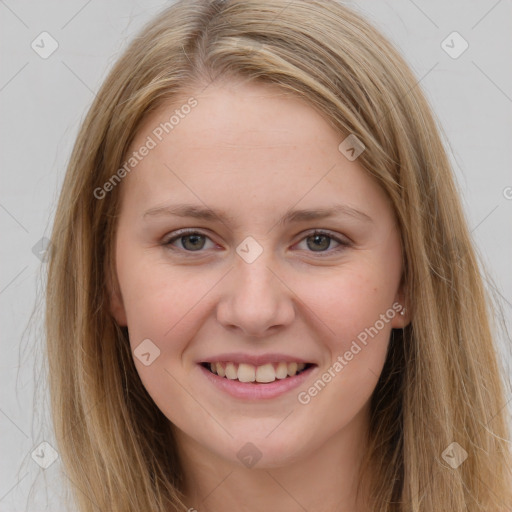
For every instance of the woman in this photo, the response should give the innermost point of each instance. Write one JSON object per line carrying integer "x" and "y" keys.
{"x": 253, "y": 371}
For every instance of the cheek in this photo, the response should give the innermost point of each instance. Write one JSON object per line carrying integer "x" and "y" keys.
{"x": 160, "y": 303}
{"x": 351, "y": 299}
{"x": 164, "y": 303}
{"x": 151, "y": 295}
{"x": 353, "y": 308}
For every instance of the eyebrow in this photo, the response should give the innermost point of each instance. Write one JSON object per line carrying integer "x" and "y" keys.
{"x": 203, "y": 213}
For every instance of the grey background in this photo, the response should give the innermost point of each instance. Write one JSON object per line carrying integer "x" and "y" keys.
{"x": 43, "y": 101}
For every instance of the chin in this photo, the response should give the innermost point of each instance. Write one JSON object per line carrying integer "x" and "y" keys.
{"x": 263, "y": 452}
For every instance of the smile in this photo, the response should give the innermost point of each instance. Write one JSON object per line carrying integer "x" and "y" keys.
{"x": 262, "y": 374}
{"x": 247, "y": 381}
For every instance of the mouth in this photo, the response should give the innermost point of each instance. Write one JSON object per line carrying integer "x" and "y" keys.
{"x": 262, "y": 374}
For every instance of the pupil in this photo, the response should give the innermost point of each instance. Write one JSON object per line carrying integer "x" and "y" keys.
{"x": 194, "y": 239}
{"x": 317, "y": 237}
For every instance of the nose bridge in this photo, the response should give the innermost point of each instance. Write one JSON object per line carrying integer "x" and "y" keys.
{"x": 255, "y": 276}
{"x": 256, "y": 299}
{"x": 254, "y": 282}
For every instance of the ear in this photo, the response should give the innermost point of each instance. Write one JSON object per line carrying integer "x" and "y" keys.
{"x": 402, "y": 317}
{"x": 115, "y": 298}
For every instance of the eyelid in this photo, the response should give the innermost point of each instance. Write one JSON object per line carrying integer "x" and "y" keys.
{"x": 342, "y": 239}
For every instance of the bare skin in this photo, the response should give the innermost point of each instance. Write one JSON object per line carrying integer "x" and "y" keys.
{"x": 254, "y": 153}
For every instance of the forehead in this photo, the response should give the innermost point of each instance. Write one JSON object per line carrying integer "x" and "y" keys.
{"x": 239, "y": 115}
{"x": 244, "y": 142}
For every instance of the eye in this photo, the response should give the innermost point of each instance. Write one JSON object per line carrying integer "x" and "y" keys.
{"x": 320, "y": 241}
{"x": 192, "y": 241}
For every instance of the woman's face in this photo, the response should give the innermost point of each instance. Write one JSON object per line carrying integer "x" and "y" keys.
{"x": 249, "y": 286}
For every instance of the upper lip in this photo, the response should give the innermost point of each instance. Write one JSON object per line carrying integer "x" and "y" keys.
{"x": 256, "y": 360}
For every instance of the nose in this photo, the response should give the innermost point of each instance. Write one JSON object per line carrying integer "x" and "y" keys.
{"x": 256, "y": 299}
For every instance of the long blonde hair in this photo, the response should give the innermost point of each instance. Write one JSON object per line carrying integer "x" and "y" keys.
{"x": 441, "y": 382}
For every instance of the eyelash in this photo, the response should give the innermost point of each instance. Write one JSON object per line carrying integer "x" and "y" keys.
{"x": 184, "y": 232}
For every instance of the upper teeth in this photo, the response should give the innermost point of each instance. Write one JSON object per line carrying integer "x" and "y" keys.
{"x": 249, "y": 373}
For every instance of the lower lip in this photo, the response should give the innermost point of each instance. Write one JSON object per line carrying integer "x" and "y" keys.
{"x": 257, "y": 391}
